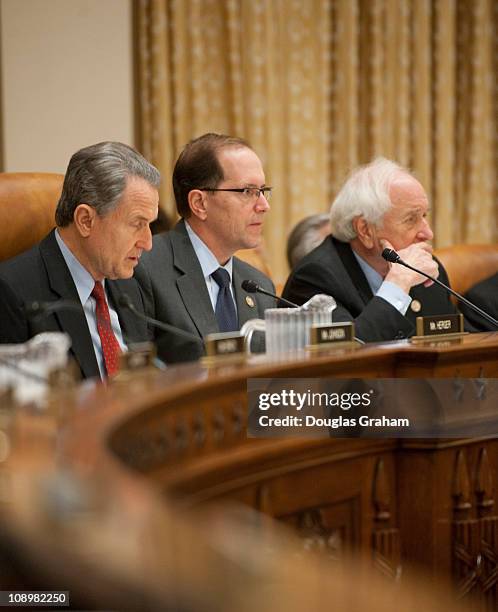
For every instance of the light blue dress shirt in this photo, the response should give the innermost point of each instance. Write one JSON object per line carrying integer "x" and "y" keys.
{"x": 84, "y": 285}
{"x": 384, "y": 289}
{"x": 209, "y": 264}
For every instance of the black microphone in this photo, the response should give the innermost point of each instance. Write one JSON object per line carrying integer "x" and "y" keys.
{"x": 125, "y": 302}
{"x": 393, "y": 257}
{"x": 40, "y": 310}
{"x": 35, "y": 310}
{"x": 252, "y": 287}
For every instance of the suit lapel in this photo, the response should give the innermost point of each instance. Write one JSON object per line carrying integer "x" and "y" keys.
{"x": 133, "y": 328}
{"x": 244, "y": 311}
{"x": 72, "y": 322}
{"x": 354, "y": 270}
{"x": 191, "y": 284}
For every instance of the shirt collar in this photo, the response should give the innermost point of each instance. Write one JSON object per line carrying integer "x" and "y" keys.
{"x": 374, "y": 279}
{"x": 206, "y": 258}
{"x": 83, "y": 280}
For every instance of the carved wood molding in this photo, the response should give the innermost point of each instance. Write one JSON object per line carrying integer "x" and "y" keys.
{"x": 385, "y": 540}
{"x": 316, "y": 536}
{"x": 386, "y": 552}
{"x": 475, "y": 540}
{"x": 461, "y": 485}
{"x": 381, "y": 493}
{"x": 484, "y": 483}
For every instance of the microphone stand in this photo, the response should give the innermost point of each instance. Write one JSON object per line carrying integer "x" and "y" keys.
{"x": 393, "y": 257}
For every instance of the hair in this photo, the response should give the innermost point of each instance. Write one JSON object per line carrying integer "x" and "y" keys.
{"x": 198, "y": 166}
{"x": 97, "y": 176}
{"x": 365, "y": 193}
{"x": 305, "y": 236}
{"x": 163, "y": 223}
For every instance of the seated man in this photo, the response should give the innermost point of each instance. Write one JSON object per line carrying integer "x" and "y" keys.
{"x": 109, "y": 198}
{"x": 190, "y": 278}
{"x": 484, "y": 295}
{"x": 305, "y": 236}
{"x": 380, "y": 205}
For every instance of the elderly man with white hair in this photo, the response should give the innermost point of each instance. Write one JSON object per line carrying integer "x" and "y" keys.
{"x": 380, "y": 205}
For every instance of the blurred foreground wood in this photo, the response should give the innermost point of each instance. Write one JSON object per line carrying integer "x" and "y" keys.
{"x": 147, "y": 495}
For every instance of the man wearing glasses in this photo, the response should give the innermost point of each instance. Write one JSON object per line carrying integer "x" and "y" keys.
{"x": 190, "y": 278}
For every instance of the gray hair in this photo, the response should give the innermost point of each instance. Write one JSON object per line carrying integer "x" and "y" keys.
{"x": 97, "y": 176}
{"x": 305, "y": 236}
{"x": 365, "y": 193}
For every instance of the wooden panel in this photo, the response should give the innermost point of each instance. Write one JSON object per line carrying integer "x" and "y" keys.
{"x": 182, "y": 432}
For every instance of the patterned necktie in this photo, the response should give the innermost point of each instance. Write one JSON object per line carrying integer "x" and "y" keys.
{"x": 225, "y": 308}
{"x": 110, "y": 345}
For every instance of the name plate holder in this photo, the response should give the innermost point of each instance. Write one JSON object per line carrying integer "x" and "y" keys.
{"x": 439, "y": 327}
{"x": 224, "y": 346}
{"x": 332, "y": 335}
{"x": 139, "y": 356}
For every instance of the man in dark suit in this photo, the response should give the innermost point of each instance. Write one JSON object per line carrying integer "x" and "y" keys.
{"x": 380, "y": 205}
{"x": 484, "y": 295}
{"x": 109, "y": 198}
{"x": 190, "y": 278}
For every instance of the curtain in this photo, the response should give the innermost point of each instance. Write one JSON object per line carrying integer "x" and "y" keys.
{"x": 320, "y": 86}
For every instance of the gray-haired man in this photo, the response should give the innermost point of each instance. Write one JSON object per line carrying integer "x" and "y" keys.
{"x": 380, "y": 205}
{"x": 109, "y": 198}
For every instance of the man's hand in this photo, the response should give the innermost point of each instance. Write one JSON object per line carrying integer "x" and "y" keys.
{"x": 418, "y": 255}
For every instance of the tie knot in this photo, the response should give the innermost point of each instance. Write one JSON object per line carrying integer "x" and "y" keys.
{"x": 222, "y": 277}
{"x": 98, "y": 291}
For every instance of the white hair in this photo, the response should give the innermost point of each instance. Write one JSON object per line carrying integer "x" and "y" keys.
{"x": 305, "y": 236}
{"x": 365, "y": 193}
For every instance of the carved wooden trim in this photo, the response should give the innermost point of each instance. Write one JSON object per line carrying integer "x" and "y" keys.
{"x": 316, "y": 537}
{"x": 381, "y": 493}
{"x": 484, "y": 483}
{"x": 385, "y": 541}
{"x": 386, "y": 552}
{"x": 475, "y": 560}
{"x": 489, "y": 554}
{"x": 466, "y": 557}
{"x": 461, "y": 484}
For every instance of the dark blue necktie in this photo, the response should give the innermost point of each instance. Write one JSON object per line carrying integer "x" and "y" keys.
{"x": 225, "y": 308}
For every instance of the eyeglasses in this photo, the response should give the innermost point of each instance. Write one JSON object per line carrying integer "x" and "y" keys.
{"x": 249, "y": 193}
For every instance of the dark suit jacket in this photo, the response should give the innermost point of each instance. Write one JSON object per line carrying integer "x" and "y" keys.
{"x": 484, "y": 295}
{"x": 41, "y": 274}
{"x": 175, "y": 292}
{"x": 332, "y": 269}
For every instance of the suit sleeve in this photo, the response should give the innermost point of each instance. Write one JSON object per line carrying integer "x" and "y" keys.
{"x": 379, "y": 321}
{"x": 142, "y": 277}
{"x": 13, "y": 321}
{"x": 484, "y": 295}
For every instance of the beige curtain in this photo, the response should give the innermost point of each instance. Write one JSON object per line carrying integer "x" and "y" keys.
{"x": 319, "y": 86}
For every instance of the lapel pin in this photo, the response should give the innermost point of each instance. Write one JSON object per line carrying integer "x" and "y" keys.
{"x": 416, "y": 306}
{"x": 250, "y": 301}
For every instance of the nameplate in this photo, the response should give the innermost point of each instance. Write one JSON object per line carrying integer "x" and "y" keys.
{"x": 225, "y": 344}
{"x": 138, "y": 356}
{"x": 440, "y": 325}
{"x": 332, "y": 333}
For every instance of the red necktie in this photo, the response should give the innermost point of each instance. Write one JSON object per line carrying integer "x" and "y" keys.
{"x": 110, "y": 346}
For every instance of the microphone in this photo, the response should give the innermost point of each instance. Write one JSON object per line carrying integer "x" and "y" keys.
{"x": 35, "y": 310}
{"x": 40, "y": 310}
{"x": 252, "y": 287}
{"x": 393, "y": 257}
{"x": 125, "y": 302}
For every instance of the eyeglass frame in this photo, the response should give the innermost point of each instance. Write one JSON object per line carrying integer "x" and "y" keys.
{"x": 266, "y": 191}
